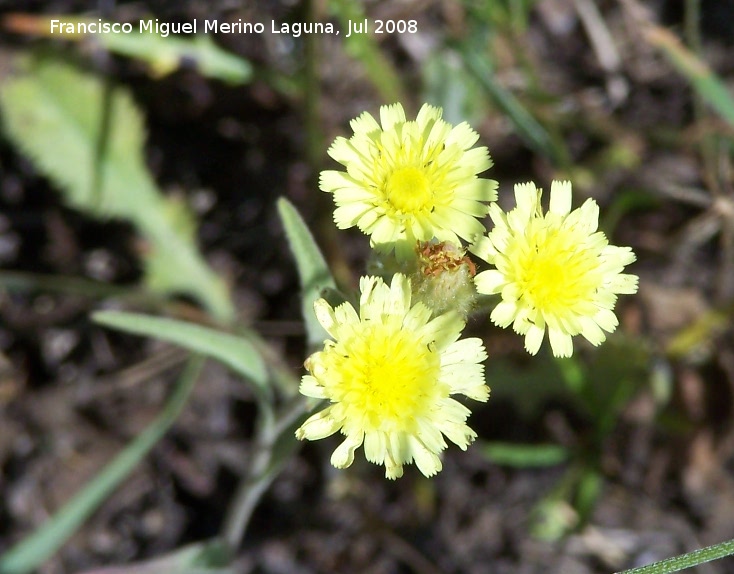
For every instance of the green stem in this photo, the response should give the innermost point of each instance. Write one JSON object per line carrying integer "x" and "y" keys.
{"x": 275, "y": 446}
{"x": 678, "y": 563}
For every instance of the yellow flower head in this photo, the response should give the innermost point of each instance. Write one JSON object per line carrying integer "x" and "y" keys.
{"x": 553, "y": 270}
{"x": 389, "y": 375}
{"x": 409, "y": 181}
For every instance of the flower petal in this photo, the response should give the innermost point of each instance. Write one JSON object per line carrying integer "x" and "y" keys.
{"x": 553, "y": 269}
{"x": 409, "y": 180}
{"x": 389, "y": 375}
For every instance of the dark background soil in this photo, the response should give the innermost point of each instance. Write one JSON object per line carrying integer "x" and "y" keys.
{"x": 73, "y": 394}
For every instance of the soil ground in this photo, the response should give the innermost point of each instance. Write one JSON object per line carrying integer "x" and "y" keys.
{"x": 73, "y": 394}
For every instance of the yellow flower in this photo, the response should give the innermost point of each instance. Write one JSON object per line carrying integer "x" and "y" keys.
{"x": 409, "y": 181}
{"x": 553, "y": 270}
{"x": 389, "y": 374}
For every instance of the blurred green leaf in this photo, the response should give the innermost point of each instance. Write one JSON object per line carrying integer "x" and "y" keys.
{"x": 520, "y": 11}
{"x": 572, "y": 372}
{"x": 618, "y": 369}
{"x": 552, "y": 518}
{"x": 449, "y": 86}
{"x": 702, "y": 332}
{"x": 708, "y": 85}
{"x": 569, "y": 504}
{"x": 506, "y": 14}
{"x": 529, "y": 386}
{"x": 312, "y": 268}
{"x": 588, "y": 489}
{"x": 209, "y": 557}
{"x": 167, "y": 54}
{"x": 624, "y": 202}
{"x": 80, "y": 286}
{"x": 58, "y": 116}
{"x": 164, "y": 51}
{"x": 30, "y": 553}
{"x": 599, "y": 385}
{"x": 237, "y": 353}
{"x": 477, "y": 61}
{"x": 364, "y": 48}
{"x": 524, "y": 455}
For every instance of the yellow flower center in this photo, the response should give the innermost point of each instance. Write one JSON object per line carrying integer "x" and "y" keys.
{"x": 389, "y": 377}
{"x": 556, "y": 273}
{"x": 408, "y": 190}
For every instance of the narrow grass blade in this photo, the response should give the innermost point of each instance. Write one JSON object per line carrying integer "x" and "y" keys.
{"x": 678, "y": 563}
{"x": 39, "y": 546}
{"x": 236, "y": 352}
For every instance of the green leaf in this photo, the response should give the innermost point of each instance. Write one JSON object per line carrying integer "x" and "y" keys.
{"x": 552, "y": 519}
{"x": 588, "y": 491}
{"x": 524, "y": 455}
{"x": 167, "y": 54}
{"x": 479, "y": 63}
{"x": 572, "y": 371}
{"x": 78, "y": 286}
{"x": 53, "y": 113}
{"x": 624, "y": 202}
{"x": 364, "y": 48}
{"x": 236, "y": 352}
{"x": 708, "y": 85}
{"x": 530, "y": 385}
{"x": 617, "y": 370}
{"x": 448, "y": 85}
{"x": 701, "y": 333}
{"x": 209, "y": 557}
{"x": 27, "y": 555}
{"x": 90, "y": 142}
{"x": 164, "y": 50}
{"x": 312, "y": 269}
